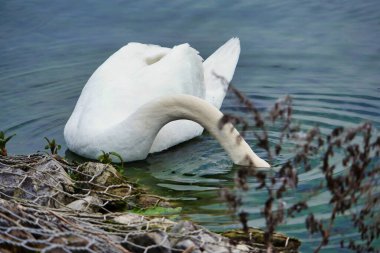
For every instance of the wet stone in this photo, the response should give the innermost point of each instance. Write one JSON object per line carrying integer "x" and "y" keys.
{"x": 87, "y": 204}
{"x": 37, "y": 178}
{"x": 156, "y": 242}
{"x": 102, "y": 180}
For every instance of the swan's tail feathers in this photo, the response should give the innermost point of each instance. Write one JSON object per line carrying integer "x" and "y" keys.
{"x": 219, "y": 69}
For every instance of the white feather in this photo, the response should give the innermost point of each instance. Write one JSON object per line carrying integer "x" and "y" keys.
{"x": 138, "y": 74}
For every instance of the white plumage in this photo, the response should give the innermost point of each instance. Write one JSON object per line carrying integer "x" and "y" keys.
{"x": 137, "y": 75}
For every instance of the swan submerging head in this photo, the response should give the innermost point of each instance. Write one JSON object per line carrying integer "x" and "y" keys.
{"x": 146, "y": 98}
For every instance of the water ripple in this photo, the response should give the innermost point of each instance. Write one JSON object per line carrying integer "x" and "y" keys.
{"x": 325, "y": 55}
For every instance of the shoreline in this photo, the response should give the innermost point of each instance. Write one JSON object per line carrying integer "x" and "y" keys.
{"x": 90, "y": 205}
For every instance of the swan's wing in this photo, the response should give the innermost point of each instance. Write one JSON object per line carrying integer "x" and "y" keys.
{"x": 131, "y": 77}
{"x": 181, "y": 73}
{"x": 103, "y": 98}
{"x": 219, "y": 69}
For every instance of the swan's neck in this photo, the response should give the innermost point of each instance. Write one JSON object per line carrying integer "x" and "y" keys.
{"x": 159, "y": 112}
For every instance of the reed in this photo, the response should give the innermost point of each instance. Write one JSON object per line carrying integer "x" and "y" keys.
{"x": 353, "y": 193}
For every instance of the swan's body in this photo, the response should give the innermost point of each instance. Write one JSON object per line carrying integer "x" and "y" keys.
{"x": 137, "y": 101}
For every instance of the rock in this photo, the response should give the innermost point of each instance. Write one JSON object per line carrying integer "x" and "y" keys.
{"x": 161, "y": 223}
{"x": 146, "y": 201}
{"x": 37, "y": 229}
{"x": 38, "y": 178}
{"x": 156, "y": 241}
{"x": 186, "y": 245}
{"x": 99, "y": 173}
{"x": 130, "y": 219}
{"x": 102, "y": 180}
{"x": 255, "y": 237}
{"x": 184, "y": 226}
{"x": 141, "y": 222}
{"x": 200, "y": 239}
{"x": 88, "y": 204}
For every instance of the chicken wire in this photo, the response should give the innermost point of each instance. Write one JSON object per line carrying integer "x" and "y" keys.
{"x": 49, "y": 205}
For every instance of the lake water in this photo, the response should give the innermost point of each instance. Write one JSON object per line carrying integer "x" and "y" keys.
{"x": 326, "y": 54}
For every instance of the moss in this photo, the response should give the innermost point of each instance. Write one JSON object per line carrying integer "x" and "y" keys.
{"x": 158, "y": 211}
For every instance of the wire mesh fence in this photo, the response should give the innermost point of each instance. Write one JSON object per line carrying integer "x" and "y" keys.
{"x": 50, "y": 205}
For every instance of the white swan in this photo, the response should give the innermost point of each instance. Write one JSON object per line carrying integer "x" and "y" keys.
{"x": 142, "y": 98}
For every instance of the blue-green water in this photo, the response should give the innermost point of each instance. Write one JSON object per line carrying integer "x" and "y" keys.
{"x": 326, "y": 54}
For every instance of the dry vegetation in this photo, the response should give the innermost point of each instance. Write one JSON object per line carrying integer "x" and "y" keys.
{"x": 353, "y": 193}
